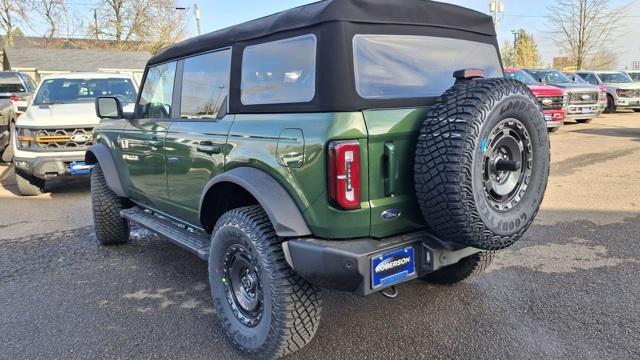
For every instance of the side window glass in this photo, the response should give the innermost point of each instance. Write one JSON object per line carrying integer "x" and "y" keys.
{"x": 205, "y": 85}
{"x": 157, "y": 92}
{"x": 277, "y": 72}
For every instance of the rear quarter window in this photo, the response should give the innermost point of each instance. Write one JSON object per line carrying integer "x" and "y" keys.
{"x": 409, "y": 66}
{"x": 277, "y": 72}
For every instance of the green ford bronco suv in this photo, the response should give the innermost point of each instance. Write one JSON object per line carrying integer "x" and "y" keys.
{"x": 344, "y": 144}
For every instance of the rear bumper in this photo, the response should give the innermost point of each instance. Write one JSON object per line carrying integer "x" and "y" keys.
{"x": 346, "y": 265}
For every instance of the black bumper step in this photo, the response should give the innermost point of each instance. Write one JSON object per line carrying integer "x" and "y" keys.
{"x": 195, "y": 242}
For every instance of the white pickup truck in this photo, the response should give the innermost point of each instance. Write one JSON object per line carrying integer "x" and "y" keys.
{"x": 53, "y": 134}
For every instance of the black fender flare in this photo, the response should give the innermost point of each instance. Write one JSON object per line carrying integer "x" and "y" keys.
{"x": 284, "y": 214}
{"x": 100, "y": 154}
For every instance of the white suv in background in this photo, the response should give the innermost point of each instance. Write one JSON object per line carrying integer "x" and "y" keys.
{"x": 53, "y": 134}
{"x": 622, "y": 91}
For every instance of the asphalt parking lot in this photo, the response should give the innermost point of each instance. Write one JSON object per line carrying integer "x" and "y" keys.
{"x": 569, "y": 289}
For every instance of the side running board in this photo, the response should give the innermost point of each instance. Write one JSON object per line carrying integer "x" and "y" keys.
{"x": 195, "y": 242}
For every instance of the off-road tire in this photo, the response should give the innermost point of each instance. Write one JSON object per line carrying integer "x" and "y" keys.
{"x": 584, "y": 121}
{"x": 449, "y": 163}
{"x": 28, "y": 185}
{"x": 7, "y": 154}
{"x": 110, "y": 227}
{"x": 464, "y": 270}
{"x": 291, "y": 306}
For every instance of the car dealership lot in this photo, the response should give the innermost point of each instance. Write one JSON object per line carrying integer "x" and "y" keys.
{"x": 569, "y": 288}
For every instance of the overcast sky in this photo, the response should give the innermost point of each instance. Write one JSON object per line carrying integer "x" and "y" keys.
{"x": 526, "y": 14}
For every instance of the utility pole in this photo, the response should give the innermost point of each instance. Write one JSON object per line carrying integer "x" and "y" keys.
{"x": 196, "y": 12}
{"x": 496, "y": 8}
{"x": 95, "y": 22}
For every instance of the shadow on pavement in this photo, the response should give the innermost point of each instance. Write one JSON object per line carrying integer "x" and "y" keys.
{"x": 633, "y": 133}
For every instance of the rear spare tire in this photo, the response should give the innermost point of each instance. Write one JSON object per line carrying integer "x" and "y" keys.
{"x": 482, "y": 162}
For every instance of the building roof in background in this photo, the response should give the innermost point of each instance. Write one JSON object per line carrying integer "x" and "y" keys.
{"x": 55, "y": 59}
{"x": 21, "y": 42}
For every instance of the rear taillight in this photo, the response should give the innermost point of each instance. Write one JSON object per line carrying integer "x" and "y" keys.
{"x": 344, "y": 174}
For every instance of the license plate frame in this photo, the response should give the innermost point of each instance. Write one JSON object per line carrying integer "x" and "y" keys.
{"x": 587, "y": 110}
{"x": 393, "y": 266}
{"x": 79, "y": 168}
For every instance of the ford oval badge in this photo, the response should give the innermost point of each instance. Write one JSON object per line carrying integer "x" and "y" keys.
{"x": 390, "y": 214}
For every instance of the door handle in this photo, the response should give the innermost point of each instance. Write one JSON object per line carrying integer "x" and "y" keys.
{"x": 209, "y": 148}
{"x": 392, "y": 169}
{"x": 155, "y": 143}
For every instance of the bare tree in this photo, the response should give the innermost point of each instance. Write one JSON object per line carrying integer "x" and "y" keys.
{"x": 12, "y": 12}
{"x": 53, "y": 12}
{"x": 139, "y": 24}
{"x": 584, "y": 27}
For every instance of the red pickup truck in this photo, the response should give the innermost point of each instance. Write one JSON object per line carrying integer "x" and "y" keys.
{"x": 553, "y": 100}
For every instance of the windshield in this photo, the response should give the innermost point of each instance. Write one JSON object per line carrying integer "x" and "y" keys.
{"x": 10, "y": 83}
{"x": 577, "y": 78}
{"x": 521, "y": 76}
{"x": 616, "y": 78}
{"x": 65, "y": 91}
{"x": 549, "y": 76}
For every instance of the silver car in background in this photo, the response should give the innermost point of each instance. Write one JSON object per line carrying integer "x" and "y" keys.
{"x": 622, "y": 91}
{"x": 634, "y": 75}
{"x": 583, "y": 98}
{"x": 17, "y": 87}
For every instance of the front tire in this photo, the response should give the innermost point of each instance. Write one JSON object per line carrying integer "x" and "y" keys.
{"x": 583, "y": 121}
{"x": 7, "y": 155}
{"x": 611, "y": 105}
{"x": 464, "y": 270}
{"x": 265, "y": 307}
{"x": 554, "y": 129}
{"x": 28, "y": 185}
{"x": 482, "y": 163}
{"x": 110, "y": 227}
{"x": 636, "y": 110}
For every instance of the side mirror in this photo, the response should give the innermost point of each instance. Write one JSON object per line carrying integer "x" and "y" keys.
{"x": 108, "y": 108}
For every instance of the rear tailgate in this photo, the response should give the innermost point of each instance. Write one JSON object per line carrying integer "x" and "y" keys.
{"x": 392, "y": 139}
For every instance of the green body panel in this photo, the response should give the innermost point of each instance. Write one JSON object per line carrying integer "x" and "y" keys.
{"x": 254, "y": 141}
{"x": 391, "y": 184}
{"x": 194, "y": 151}
{"x": 292, "y": 148}
{"x": 142, "y": 149}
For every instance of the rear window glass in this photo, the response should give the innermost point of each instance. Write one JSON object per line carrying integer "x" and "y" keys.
{"x": 282, "y": 71}
{"x": 65, "y": 91}
{"x": 408, "y": 66}
{"x": 11, "y": 82}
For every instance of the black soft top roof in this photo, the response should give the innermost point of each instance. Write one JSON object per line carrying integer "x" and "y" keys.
{"x": 396, "y": 12}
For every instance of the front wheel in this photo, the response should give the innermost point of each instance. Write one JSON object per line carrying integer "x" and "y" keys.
{"x": 7, "y": 155}
{"x": 611, "y": 105}
{"x": 583, "y": 121}
{"x": 636, "y": 110}
{"x": 265, "y": 308}
{"x": 110, "y": 227}
{"x": 29, "y": 185}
